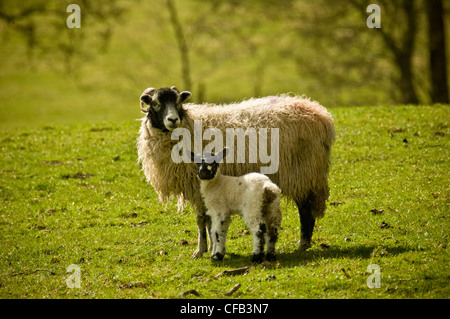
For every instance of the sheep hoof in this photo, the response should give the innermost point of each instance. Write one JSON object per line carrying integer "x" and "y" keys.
{"x": 303, "y": 245}
{"x": 217, "y": 256}
{"x": 258, "y": 258}
{"x": 271, "y": 257}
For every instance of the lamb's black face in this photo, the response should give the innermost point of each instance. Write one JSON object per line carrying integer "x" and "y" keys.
{"x": 207, "y": 171}
{"x": 164, "y": 110}
{"x": 209, "y": 164}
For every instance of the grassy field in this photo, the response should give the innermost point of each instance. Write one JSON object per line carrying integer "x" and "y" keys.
{"x": 75, "y": 195}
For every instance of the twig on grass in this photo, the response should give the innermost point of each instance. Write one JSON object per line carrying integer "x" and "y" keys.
{"x": 233, "y": 290}
{"x": 189, "y": 292}
{"x": 233, "y": 272}
{"x": 32, "y": 272}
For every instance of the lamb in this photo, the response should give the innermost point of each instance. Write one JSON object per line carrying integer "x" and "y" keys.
{"x": 253, "y": 196}
{"x": 306, "y": 137}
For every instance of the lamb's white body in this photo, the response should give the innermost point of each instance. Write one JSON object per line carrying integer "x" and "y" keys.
{"x": 255, "y": 198}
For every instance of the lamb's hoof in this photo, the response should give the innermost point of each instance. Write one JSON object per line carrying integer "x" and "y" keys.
{"x": 258, "y": 258}
{"x": 271, "y": 257}
{"x": 198, "y": 254}
{"x": 217, "y": 256}
{"x": 303, "y": 245}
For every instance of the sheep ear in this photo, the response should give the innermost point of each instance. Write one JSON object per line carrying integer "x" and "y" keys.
{"x": 175, "y": 89}
{"x": 184, "y": 96}
{"x": 145, "y": 98}
{"x": 210, "y": 158}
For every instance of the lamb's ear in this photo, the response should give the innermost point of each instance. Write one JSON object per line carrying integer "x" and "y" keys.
{"x": 175, "y": 89}
{"x": 184, "y": 96}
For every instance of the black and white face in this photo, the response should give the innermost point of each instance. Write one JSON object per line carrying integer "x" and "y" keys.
{"x": 207, "y": 171}
{"x": 208, "y": 164}
{"x": 165, "y": 110}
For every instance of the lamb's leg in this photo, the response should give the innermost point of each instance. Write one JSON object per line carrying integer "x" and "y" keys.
{"x": 212, "y": 236}
{"x": 271, "y": 239}
{"x": 259, "y": 235}
{"x": 202, "y": 242}
{"x": 219, "y": 229}
{"x": 208, "y": 228}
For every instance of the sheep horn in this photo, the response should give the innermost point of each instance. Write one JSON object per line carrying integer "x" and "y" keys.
{"x": 148, "y": 91}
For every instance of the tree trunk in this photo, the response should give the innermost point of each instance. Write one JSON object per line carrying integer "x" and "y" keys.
{"x": 402, "y": 47}
{"x": 404, "y": 55}
{"x": 404, "y": 63}
{"x": 182, "y": 46}
{"x": 438, "y": 61}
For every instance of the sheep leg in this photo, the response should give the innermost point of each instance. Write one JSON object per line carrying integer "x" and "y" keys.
{"x": 271, "y": 239}
{"x": 202, "y": 242}
{"x": 219, "y": 231}
{"x": 307, "y": 222}
{"x": 214, "y": 239}
{"x": 259, "y": 235}
{"x": 208, "y": 228}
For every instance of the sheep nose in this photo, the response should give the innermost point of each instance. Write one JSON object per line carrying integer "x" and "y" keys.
{"x": 173, "y": 120}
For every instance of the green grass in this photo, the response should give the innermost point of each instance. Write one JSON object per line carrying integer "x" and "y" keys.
{"x": 75, "y": 195}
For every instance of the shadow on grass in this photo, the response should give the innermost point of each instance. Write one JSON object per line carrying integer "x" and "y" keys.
{"x": 296, "y": 258}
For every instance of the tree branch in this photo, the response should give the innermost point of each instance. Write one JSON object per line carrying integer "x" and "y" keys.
{"x": 12, "y": 18}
